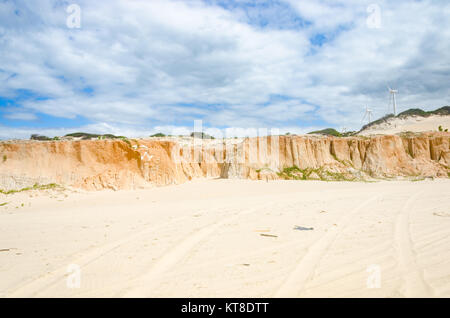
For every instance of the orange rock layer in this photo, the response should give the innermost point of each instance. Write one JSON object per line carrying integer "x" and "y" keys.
{"x": 116, "y": 164}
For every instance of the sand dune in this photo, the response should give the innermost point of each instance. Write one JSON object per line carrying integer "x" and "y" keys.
{"x": 230, "y": 238}
{"x": 412, "y": 123}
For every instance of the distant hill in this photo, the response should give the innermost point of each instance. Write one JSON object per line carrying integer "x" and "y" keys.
{"x": 87, "y": 136}
{"x": 419, "y": 112}
{"x": 409, "y": 120}
{"x": 407, "y": 113}
{"x": 442, "y": 111}
{"x": 387, "y": 119}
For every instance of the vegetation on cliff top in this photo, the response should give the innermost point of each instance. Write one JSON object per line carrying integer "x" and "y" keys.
{"x": 39, "y": 137}
{"x": 327, "y": 132}
{"x": 201, "y": 135}
{"x": 158, "y": 135}
{"x": 378, "y": 121}
{"x": 82, "y": 135}
{"x": 85, "y": 136}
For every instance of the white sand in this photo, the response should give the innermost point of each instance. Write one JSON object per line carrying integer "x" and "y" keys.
{"x": 412, "y": 123}
{"x": 203, "y": 239}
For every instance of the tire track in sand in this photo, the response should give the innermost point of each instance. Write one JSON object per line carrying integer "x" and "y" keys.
{"x": 37, "y": 285}
{"x": 149, "y": 280}
{"x": 296, "y": 281}
{"x": 414, "y": 284}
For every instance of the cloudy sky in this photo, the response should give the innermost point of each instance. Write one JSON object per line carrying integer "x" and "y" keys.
{"x": 136, "y": 67}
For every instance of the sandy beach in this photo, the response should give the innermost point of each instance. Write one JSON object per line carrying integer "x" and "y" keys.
{"x": 230, "y": 238}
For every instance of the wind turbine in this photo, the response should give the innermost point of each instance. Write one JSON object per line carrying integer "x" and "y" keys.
{"x": 367, "y": 114}
{"x": 392, "y": 93}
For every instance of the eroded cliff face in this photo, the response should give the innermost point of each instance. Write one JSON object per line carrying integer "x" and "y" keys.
{"x": 117, "y": 164}
{"x": 426, "y": 155}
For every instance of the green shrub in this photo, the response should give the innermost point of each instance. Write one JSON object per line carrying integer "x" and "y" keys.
{"x": 295, "y": 173}
{"x": 441, "y": 111}
{"x": 40, "y": 137}
{"x": 83, "y": 136}
{"x": 378, "y": 121}
{"x": 349, "y": 133}
{"x": 158, "y": 135}
{"x": 414, "y": 112}
{"x": 201, "y": 135}
{"x": 125, "y": 139}
{"x": 86, "y": 136}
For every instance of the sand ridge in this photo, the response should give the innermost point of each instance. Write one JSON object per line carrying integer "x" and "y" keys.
{"x": 413, "y": 124}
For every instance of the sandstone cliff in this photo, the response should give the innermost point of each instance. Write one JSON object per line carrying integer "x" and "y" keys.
{"x": 118, "y": 164}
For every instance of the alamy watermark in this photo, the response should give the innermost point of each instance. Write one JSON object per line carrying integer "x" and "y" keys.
{"x": 74, "y": 276}
{"x": 224, "y": 148}
{"x": 373, "y": 20}
{"x": 374, "y": 277}
{"x": 73, "y": 21}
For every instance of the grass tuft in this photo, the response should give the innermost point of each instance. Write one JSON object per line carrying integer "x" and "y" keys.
{"x": 295, "y": 173}
{"x": 34, "y": 187}
{"x": 125, "y": 139}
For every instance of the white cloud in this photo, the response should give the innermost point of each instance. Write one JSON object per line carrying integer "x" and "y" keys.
{"x": 165, "y": 63}
{"x": 20, "y": 116}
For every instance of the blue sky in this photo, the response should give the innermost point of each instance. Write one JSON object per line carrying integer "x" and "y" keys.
{"x": 138, "y": 67}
